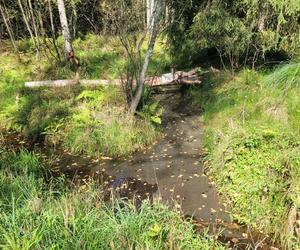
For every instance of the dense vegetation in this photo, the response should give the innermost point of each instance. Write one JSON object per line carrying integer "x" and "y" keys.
{"x": 40, "y": 215}
{"x": 247, "y": 53}
{"x": 253, "y": 143}
{"x": 72, "y": 114}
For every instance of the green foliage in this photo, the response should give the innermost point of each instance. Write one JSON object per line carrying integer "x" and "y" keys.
{"x": 252, "y": 144}
{"x": 215, "y": 27}
{"x": 59, "y": 218}
{"x": 22, "y": 163}
{"x": 99, "y": 125}
{"x": 152, "y": 112}
{"x": 243, "y": 31}
{"x": 285, "y": 76}
{"x": 64, "y": 116}
{"x": 115, "y": 135}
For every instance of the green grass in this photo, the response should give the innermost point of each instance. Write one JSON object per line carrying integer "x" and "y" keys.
{"x": 99, "y": 125}
{"x": 39, "y": 215}
{"x": 252, "y": 141}
{"x": 93, "y": 121}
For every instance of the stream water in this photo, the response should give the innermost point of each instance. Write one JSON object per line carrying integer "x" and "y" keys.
{"x": 171, "y": 171}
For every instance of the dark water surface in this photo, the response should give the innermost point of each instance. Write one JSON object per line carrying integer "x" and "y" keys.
{"x": 171, "y": 171}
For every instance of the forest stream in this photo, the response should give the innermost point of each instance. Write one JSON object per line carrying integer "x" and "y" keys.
{"x": 171, "y": 171}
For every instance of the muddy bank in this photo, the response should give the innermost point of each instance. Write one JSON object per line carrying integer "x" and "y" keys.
{"x": 171, "y": 170}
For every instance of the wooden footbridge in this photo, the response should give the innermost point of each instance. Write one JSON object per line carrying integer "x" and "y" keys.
{"x": 174, "y": 78}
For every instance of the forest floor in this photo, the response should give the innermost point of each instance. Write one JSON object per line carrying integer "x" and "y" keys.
{"x": 238, "y": 144}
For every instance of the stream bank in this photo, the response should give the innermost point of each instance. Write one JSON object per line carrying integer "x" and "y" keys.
{"x": 171, "y": 170}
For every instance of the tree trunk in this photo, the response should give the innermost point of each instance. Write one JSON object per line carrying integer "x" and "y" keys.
{"x": 150, "y": 9}
{"x": 34, "y": 24}
{"x": 26, "y": 21}
{"x": 156, "y": 17}
{"x": 53, "y": 31}
{"x": 65, "y": 28}
{"x": 9, "y": 30}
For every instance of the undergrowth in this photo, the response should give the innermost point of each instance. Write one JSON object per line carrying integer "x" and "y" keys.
{"x": 39, "y": 215}
{"x": 252, "y": 141}
{"x": 84, "y": 120}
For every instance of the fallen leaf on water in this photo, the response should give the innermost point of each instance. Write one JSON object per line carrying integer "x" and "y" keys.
{"x": 213, "y": 210}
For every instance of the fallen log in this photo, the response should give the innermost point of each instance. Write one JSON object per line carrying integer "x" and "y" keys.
{"x": 67, "y": 82}
{"x": 179, "y": 77}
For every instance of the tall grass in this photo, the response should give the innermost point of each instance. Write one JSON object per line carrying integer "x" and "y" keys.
{"x": 285, "y": 76}
{"x": 36, "y": 215}
{"x": 92, "y": 121}
{"x": 252, "y": 142}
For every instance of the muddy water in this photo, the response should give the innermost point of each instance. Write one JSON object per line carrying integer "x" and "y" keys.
{"x": 171, "y": 170}
{"x": 174, "y": 164}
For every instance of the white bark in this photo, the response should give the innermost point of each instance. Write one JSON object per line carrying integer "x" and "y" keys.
{"x": 172, "y": 78}
{"x": 149, "y": 13}
{"x": 65, "y": 27}
{"x": 154, "y": 30}
{"x": 68, "y": 82}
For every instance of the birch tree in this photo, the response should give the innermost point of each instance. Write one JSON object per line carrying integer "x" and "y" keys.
{"x": 156, "y": 15}
{"x": 128, "y": 22}
{"x": 65, "y": 28}
{"x": 149, "y": 12}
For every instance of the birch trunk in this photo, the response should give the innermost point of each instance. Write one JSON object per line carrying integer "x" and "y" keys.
{"x": 154, "y": 30}
{"x": 150, "y": 8}
{"x": 65, "y": 27}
